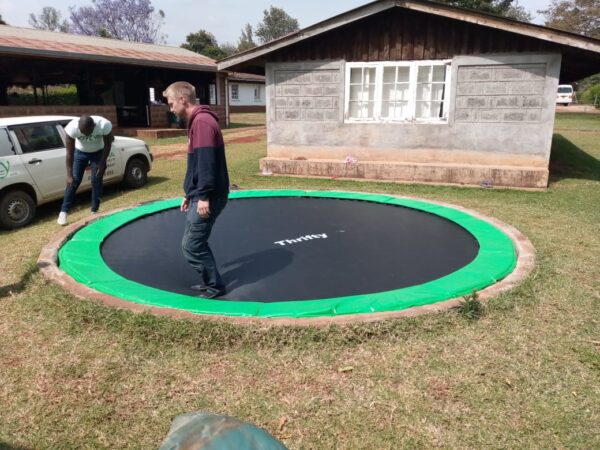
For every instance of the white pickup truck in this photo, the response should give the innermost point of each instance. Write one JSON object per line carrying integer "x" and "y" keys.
{"x": 33, "y": 167}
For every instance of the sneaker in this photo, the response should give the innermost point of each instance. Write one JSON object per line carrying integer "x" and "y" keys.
{"x": 198, "y": 287}
{"x": 211, "y": 293}
{"x": 62, "y": 218}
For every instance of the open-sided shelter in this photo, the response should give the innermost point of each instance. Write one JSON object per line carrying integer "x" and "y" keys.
{"x": 44, "y": 72}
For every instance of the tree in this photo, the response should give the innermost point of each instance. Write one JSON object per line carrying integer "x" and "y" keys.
{"x": 276, "y": 23}
{"x": 2, "y": 22}
{"x": 576, "y": 16}
{"x": 229, "y": 48}
{"x": 246, "y": 41}
{"x": 49, "y": 19}
{"x": 128, "y": 20}
{"x": 519, "y": 13}
{"x": 204, "y": 43}
{"x": 498, "y": 7}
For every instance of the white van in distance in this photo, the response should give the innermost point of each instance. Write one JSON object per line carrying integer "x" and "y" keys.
{"x": 564, "y": 96}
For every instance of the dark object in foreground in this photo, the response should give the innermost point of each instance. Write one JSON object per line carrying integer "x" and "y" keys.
{"x": 206, "y": 431}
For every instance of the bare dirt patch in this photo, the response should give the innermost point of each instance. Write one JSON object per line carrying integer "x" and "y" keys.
{"x": 178, "y": 151}
{"x": 578, "y": 109}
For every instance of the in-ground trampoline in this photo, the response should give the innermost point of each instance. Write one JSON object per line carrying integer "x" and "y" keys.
{"x": 295, "y": 254}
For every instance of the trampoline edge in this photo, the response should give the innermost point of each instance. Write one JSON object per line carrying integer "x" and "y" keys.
{"x": 525, "y": 262}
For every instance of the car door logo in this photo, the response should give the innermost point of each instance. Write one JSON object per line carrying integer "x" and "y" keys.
{"x": 4, "y": 169}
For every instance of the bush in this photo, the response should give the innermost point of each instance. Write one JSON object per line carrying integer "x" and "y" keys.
{"x": 471, "y": 307}
{"x": 591, "y": 95}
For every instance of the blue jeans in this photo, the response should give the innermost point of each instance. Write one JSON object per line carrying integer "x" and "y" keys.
{"x": 195, "y": 242}
{"x": 80, "y": 161}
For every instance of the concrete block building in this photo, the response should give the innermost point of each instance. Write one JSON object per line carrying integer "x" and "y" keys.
{"x": 416, "y": 91}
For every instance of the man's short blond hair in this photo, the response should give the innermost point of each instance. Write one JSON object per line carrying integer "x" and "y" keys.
{"x": 181, "y": 89}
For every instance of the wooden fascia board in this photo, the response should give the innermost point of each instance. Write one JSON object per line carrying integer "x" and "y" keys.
{"x": 533, "y": 31}
{"x": 525, "y": 29}
{"x": 309, "y": 32}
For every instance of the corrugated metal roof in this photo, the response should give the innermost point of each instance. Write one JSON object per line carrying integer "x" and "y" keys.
{"x": 247, "y": 77}
{"x": 26, "y": 41}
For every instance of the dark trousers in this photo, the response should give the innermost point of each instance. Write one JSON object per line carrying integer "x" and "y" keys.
{"x": 195, "y": 242}
{"x": 80, "y": 161}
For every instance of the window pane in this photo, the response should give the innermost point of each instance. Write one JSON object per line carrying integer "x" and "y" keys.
{"x": 439, "y": 73}
{"x": 424, "y": 92}
{"x": 437, "y": 92}
{"x": 356, "y": 93}
{"x": 429, "y": 110}
{"x": 34, "y": 138}
{"x": 423, "y": 110}
{"x": 389, "y": 92}
{"x": 389, "y": 74}
{"x": 370, "y": 75}
{"x": 387, "y": 109}
{"x": 371, "y": 93}
{"x": 403, "y": 74}
{"x": 370, "y": 110}
{"x": 354, "y": 107}
{"x": 401, "y": 110}
{"x": 402, "y": 92}
{"x": 6, "y": 147}
{"x": 424, "y": 74}
{"x": 356, "y": 75}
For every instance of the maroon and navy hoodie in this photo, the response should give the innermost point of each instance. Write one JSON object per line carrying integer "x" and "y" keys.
{"x": 206, "y": 176}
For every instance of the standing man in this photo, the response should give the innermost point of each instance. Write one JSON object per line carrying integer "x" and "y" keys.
{"x": 206, "y": 184}
{"x": 89, "y": 139}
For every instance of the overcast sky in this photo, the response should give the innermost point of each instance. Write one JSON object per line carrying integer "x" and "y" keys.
{"x": 223, "y": 18}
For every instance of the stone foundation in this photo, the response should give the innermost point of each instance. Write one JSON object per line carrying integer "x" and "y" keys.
{"x": 460, "y": 174}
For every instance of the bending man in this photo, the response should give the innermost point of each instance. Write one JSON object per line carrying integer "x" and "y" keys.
{"x": 89, "y": 139}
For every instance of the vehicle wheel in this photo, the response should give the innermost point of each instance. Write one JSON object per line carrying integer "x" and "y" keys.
{"x": 17, "y": 209}
{"x": 136, "y": 173}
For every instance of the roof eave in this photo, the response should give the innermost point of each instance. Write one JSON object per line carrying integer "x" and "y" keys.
{"x": 19, "y": 51}
{"x": 465, "y": 15}
{"x": 308, "y": 32}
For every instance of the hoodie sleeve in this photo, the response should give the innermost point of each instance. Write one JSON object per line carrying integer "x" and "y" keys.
{"x": 201, "y": 174}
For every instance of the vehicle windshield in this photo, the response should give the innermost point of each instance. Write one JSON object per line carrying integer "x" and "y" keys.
{"x": 565, "y": 90}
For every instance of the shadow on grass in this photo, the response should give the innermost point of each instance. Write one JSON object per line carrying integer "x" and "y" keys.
{"x": 153, "y": 181}
{"x": 569, "y": 161}
{"x": 7, "y": 446}
{"x": 18, "y": 287}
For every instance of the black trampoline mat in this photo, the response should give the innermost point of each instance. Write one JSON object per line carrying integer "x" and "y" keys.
{"x": 287, "y": 248}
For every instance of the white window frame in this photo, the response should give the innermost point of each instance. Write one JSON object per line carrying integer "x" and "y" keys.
{"x": 235, "y": 87}
{"x": 212, "y": 94}
{"x": 412, "y": 91}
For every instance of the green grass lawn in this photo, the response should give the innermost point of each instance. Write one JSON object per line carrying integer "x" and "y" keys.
{"x": 74, "y": 374}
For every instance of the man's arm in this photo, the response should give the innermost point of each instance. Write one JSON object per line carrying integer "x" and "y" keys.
{"x": 108, "y": 140}
{"x": 70, "y": 150}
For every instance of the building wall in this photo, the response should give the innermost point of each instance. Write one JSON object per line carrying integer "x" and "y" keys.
{"x": 498, "y": 133}
{"x": 246, "y": 94}
{"x": 221, "y": 107}
{"x": 247, "y": 109}
{"x": 159, "y": 116}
